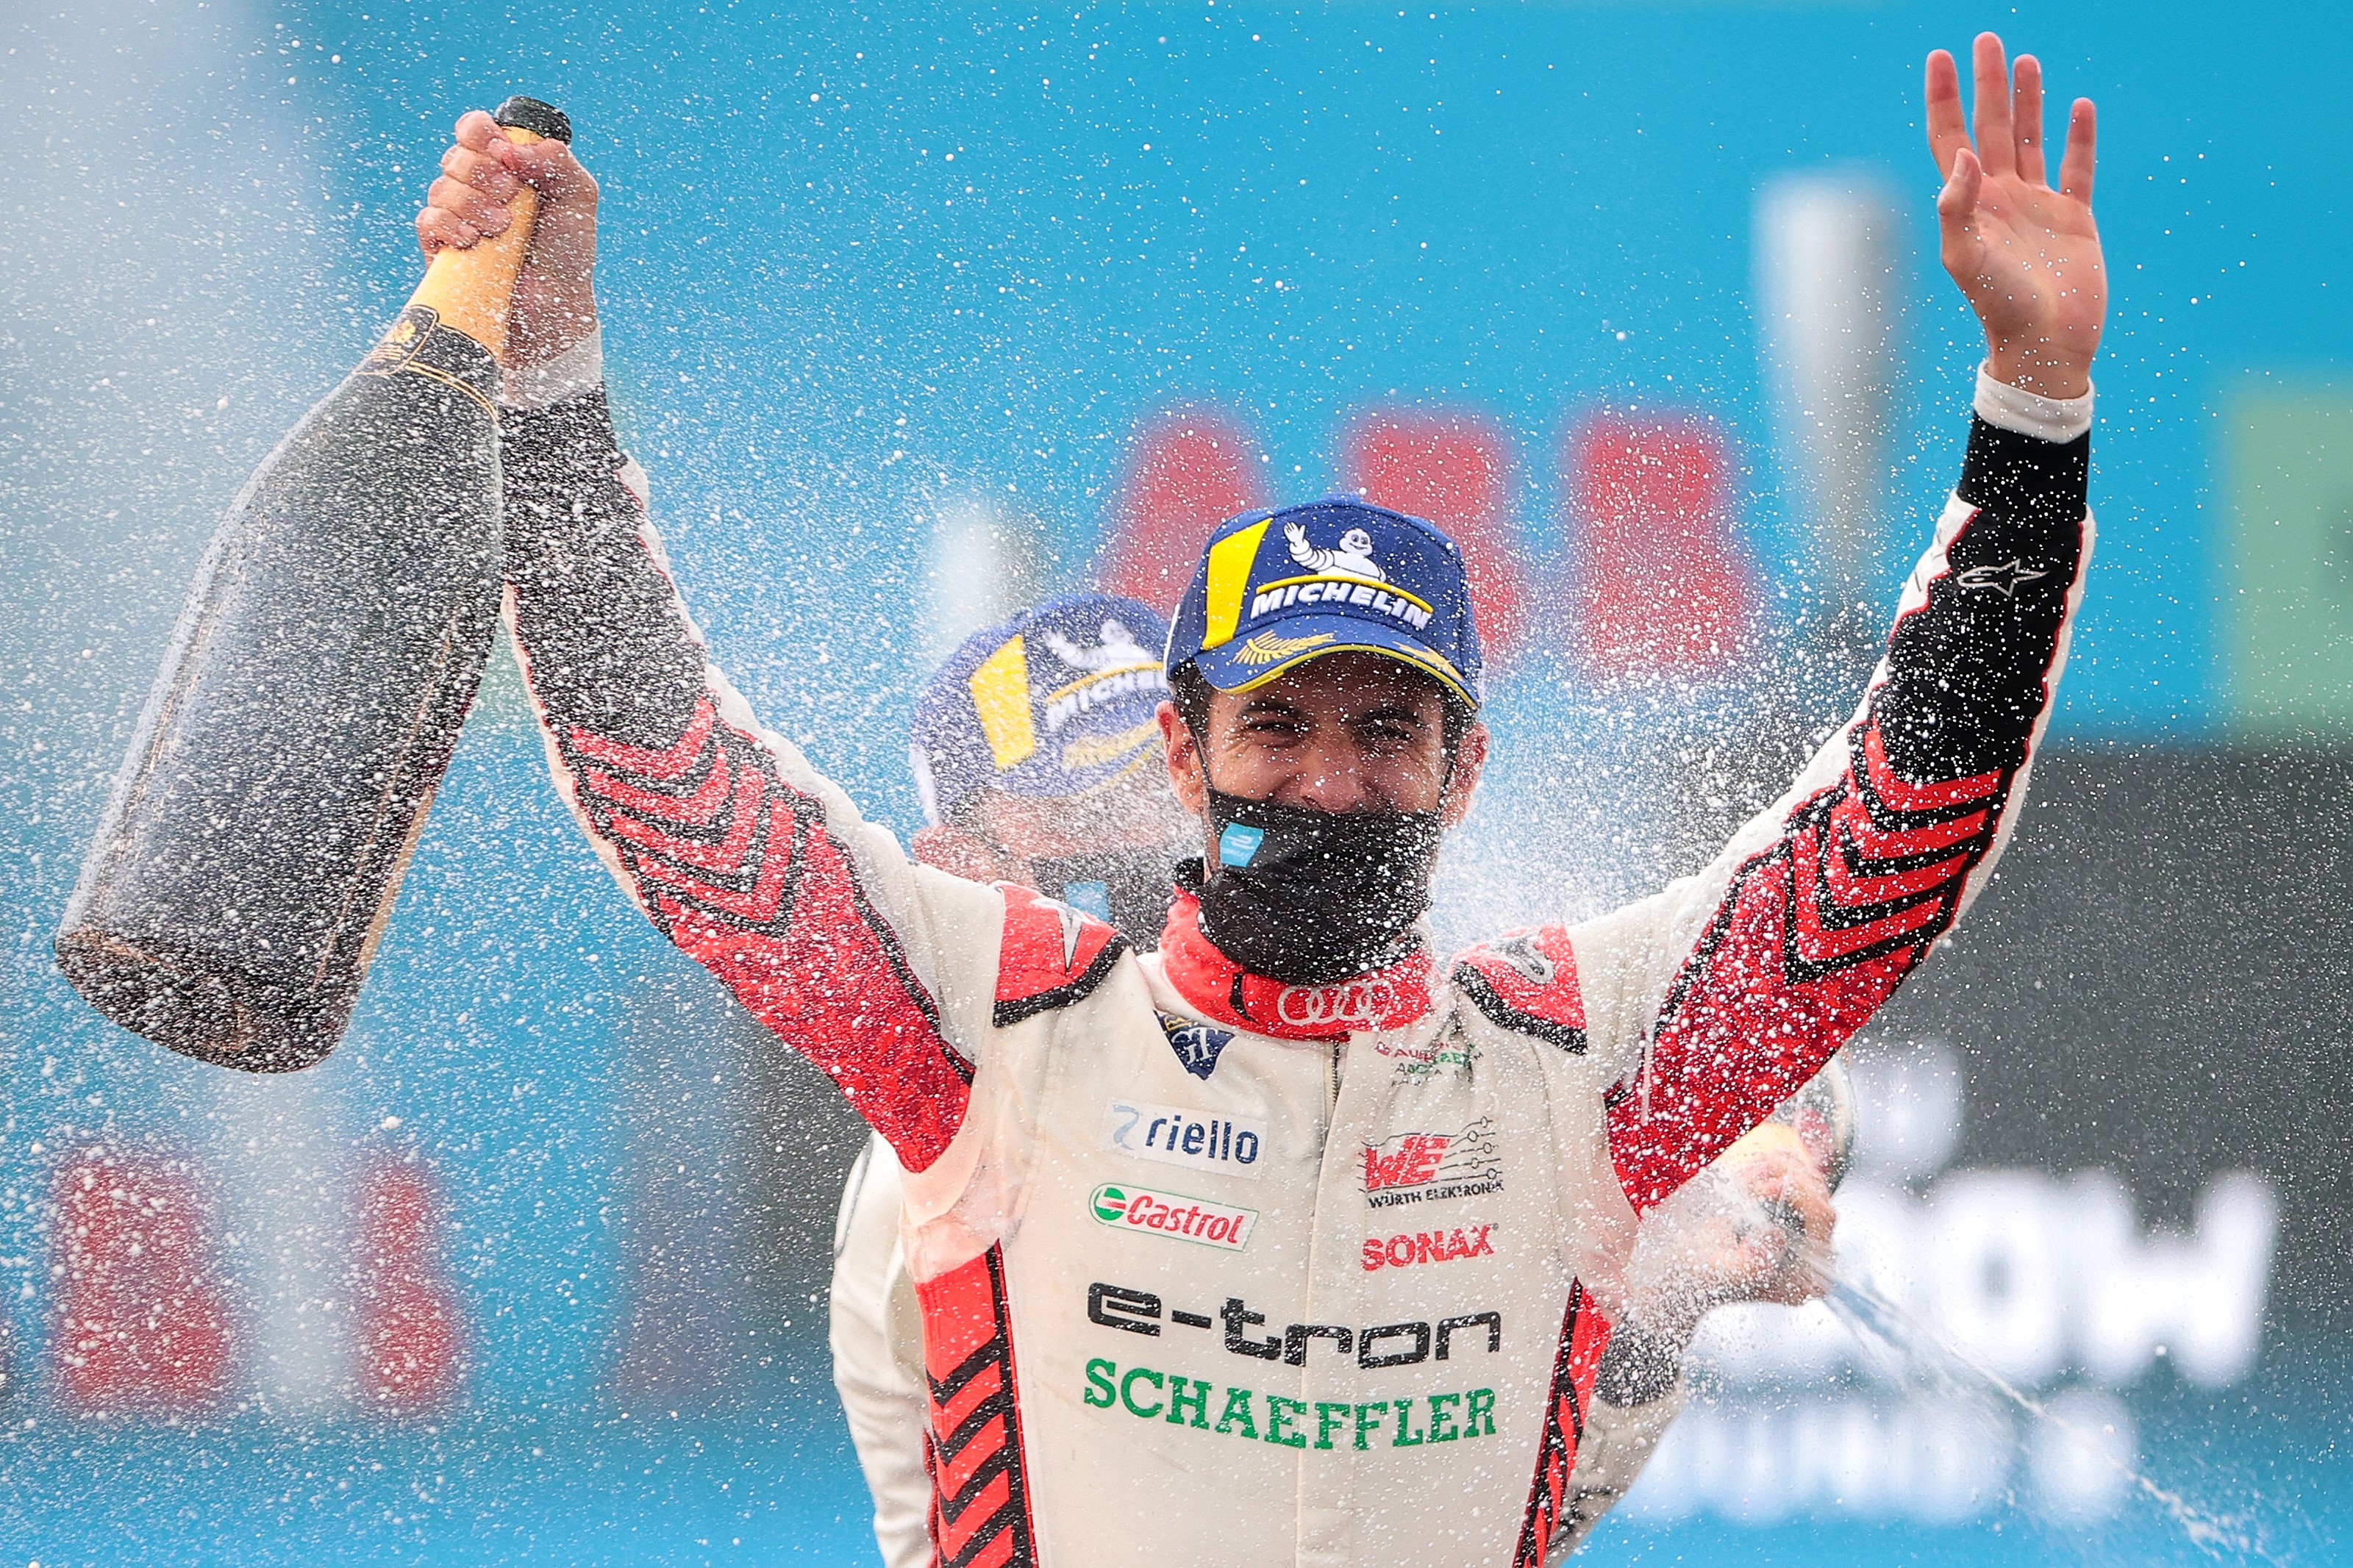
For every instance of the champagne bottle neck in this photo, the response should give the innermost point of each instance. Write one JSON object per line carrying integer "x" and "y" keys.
{"x": 472, "y": 290}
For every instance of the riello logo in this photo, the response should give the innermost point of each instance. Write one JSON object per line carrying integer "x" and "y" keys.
{"x": 1225, "y": 1145}
{"x": 1126, "y": 1208}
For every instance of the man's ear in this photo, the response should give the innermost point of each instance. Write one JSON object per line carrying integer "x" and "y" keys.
{"x": 1469, "y": 757}
{"x": 1187, "y": 779}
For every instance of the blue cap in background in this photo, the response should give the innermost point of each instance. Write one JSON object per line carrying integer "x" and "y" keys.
{"x": 1055, "y": 702}
{"x": 1275, "y": 589}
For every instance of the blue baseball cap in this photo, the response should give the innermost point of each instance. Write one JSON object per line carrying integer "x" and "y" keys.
{"x": 1055, "y": 702}
{"x": 1275, "y": 589}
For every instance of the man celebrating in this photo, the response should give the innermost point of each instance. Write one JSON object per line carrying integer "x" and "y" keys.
{"x": 1037, "y": 760}
{"x": 1140, "y": 1191}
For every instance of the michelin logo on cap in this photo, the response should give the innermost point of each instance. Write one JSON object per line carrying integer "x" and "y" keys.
{"x": 1274, "y": 589}
{"x": 1345, "y": 574}
{"x": 1053, "y": 703}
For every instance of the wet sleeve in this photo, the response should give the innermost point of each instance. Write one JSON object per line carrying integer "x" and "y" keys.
{"x": 878, "y": 970}
{"x": 876, "y": 1333}
{"x": 1724, "y": 993}
{"x": 1636, "y": 1397}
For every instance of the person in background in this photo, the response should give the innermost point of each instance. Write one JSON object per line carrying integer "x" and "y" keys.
{"x": 1038, "y": 763}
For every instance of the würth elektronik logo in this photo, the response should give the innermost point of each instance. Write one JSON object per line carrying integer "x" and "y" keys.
{"x": 1423, "y": 1167}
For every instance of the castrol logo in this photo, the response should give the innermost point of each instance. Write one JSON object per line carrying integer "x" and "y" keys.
{"x": 1352, "y": 1003}
{"x": 1125, "y": 1206}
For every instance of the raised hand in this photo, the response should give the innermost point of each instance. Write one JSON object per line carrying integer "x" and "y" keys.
{"x": 2026, "y": 255}
{"x": 555, "y": 296}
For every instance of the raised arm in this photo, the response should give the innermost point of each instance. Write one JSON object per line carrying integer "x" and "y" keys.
{"x": 878, "y": 970}
{"x": 1739, "y": 984}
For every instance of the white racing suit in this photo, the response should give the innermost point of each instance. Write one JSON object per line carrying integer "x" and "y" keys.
{"x": 876, "y": 1331}
{"x": 1215, "y": 1269}
{"x": 877, "y": 1340}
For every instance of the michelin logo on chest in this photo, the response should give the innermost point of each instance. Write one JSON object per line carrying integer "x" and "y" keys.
{"x": 1200, "y": 1140}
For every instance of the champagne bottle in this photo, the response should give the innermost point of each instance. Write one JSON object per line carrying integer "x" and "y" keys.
{"x": 311, "y": 696}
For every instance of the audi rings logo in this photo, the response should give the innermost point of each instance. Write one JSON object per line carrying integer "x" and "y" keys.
{"x": 1352, "y": 1002}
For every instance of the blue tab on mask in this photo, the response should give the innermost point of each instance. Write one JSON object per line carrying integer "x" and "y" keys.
{"x": 1238, "y": 845}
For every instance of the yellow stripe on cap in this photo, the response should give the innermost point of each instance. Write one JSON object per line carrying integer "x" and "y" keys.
{"x": 1000, "y": 695}
{"x": 1229, "y": 564}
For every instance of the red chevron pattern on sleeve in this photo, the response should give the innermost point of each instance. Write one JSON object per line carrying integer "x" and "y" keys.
{"x": 1812, "y": 936}
{"x": 736, "y": 866}
{"x": 980, "y": 1515}
{"x": 1584, "y": 1335}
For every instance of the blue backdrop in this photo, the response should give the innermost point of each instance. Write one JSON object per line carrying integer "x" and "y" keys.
{"x": 860, "y": 264}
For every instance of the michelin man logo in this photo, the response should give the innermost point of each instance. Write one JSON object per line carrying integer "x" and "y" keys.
{"x": 1352, "y": 557}
{"x": 1118, "y": 650}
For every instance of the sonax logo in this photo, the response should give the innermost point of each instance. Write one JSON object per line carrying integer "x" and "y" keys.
{"x": 1429, "y": 1247}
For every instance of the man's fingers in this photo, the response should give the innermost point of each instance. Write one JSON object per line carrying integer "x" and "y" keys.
{"x": 1991, "y": 84}
{"x": 1948, "y": 129}
{"x": 550, "y": 167}
{"x": 477, "y": 132}
{"x": 2026, "y": 112}
{"x": 2076, "y": 169}
{"x": 480, "y": 169}
{"x": 1958, "y": 199}
{"x": 1808, "y": 1198}
{"x": 463, "y": 202}
{"x": 439, "y": 229}
{"x": 1799, "y": 1206}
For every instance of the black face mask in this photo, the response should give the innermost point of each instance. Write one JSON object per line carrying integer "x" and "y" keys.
{"x": 1129, "y": 888}
{"x": 1310, "y": 897}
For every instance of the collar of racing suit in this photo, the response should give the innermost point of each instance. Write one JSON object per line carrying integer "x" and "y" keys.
{"x": 1388, "y": 998}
